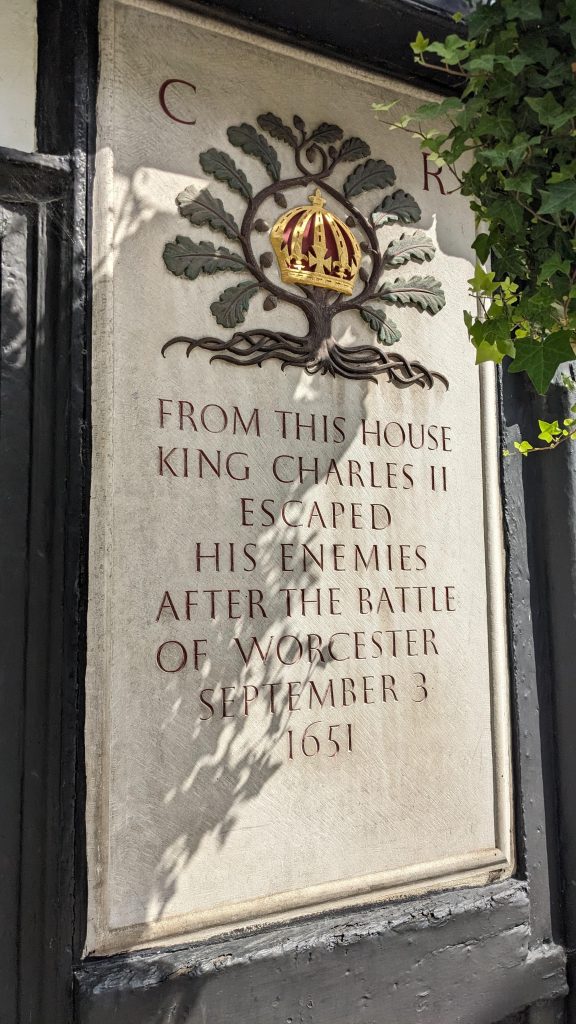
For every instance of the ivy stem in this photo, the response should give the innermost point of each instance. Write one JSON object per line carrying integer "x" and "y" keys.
{"x": 554, "y": 444}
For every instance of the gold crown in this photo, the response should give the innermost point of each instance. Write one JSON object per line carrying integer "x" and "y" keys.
{"x": 314, "y": 247}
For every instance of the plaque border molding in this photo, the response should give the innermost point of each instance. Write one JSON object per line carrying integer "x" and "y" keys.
{"x": 479, "y": 868}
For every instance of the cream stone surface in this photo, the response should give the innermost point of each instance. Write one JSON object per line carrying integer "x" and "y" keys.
{"x": 18, "y": 45}
{"x": 198, "y": 817}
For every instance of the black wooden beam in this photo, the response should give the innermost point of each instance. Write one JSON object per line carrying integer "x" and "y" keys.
{"x": 460, "y": 956}
{"x": 375, "y": 34}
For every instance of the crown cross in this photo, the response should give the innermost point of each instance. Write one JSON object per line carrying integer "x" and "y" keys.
{"x": 318, "y": 261}
{"x": 317, "y": 199}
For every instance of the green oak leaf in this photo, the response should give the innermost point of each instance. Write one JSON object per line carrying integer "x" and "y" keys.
{"x": 222, "y": 166}
{"x": 204, "y": 208}
{"x": 541, "y": 359}
{"x": 275, "y": 127}
{"x": 417, "y": 246}
{"x": 353, "y": 149}
{"x": 231, "y": 306}
{"x": 559, "y": 198}
{"x": 424, "y": 292}
{"x": 184, "y": 257}
{"x": 386, "y": 330}
{"x": 249, "y": 141}
{"x": 326, "y": 133}
{"x": 399, "y": 208}
{"x": 372, "y": 174}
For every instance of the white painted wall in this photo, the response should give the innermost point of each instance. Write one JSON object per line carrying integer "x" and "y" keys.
{"x": 18, "y": 74}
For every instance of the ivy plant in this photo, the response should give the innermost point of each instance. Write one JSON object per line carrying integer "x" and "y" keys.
{"x": 509, "y": 138}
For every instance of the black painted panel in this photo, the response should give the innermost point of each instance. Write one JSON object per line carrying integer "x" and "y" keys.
{"x": 373, "y": 33}
{"x": 36, "y": 872}
{"x": 16, "y": 237}
{"x": 453, "y": 958}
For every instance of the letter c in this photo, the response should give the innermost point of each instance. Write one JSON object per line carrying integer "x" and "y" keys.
{"x": 331, "y": 647}
{"x": 162, "y": 98}
{"x": 284, "y": 507}
{"x": 275, "y": 468}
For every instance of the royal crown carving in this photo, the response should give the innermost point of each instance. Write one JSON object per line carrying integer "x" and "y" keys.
{"x": 314, "y": 247}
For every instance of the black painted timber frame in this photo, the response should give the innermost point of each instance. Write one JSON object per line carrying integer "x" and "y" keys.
{"x": 475, "y": 956}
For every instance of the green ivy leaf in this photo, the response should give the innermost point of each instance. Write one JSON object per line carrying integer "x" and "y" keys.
{"x": 437, "y": 109}
{"x": 566, "y": 173}
{"x": 509, "y": 212}
{"x": 552, "y": 79}
{"x": 385, "y": 329}
{"x": 452, "y": 50}
{"x": 204, "y": 208}
{"x": 541, "y": 359}
{"x": 222, "y": 166}
{"x": 383, "y": 106}
{"x": 483, "y": 282}
{"x": 488, "y": 353}
{"x": 189, "y": 258}
{"x": 526, "y": 10}
{"x": 553, "y": 265}
{"x": 400, "y": 208}
{"x": 482, "y": 246}
{"x": 483, "y": 63}
{"x": 277, "y": 129}
{"x": 417, "y": 246}
{"x": 232, "y": 305}
{"x": 551, "y": 113}
{"x": 353, "y": 149}
{"x": 249, "y": 141}
{"x": 372, "y": 174}
{"x": 522, "y": 182}
{"x": 559, "y": 198}
{"x": 523, "y": 447}
{"x": 491, "y": 337}
{"x": 549, "y": 431}
{"x": 514, "y": 65}
{"x": 420, "y": 44}
{"x": 424, "y": 292}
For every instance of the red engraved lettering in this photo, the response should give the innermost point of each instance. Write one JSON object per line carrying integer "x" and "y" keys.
{"x": 162, "y": 98}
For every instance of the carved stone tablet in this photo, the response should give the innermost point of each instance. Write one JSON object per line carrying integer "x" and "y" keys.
{"x": 297, "y": 693}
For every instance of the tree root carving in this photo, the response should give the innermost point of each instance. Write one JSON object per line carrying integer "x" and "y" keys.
{"x": 362, "y": 362}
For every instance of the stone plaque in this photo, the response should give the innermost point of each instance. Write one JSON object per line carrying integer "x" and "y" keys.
{"x": 297, "y": 693}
